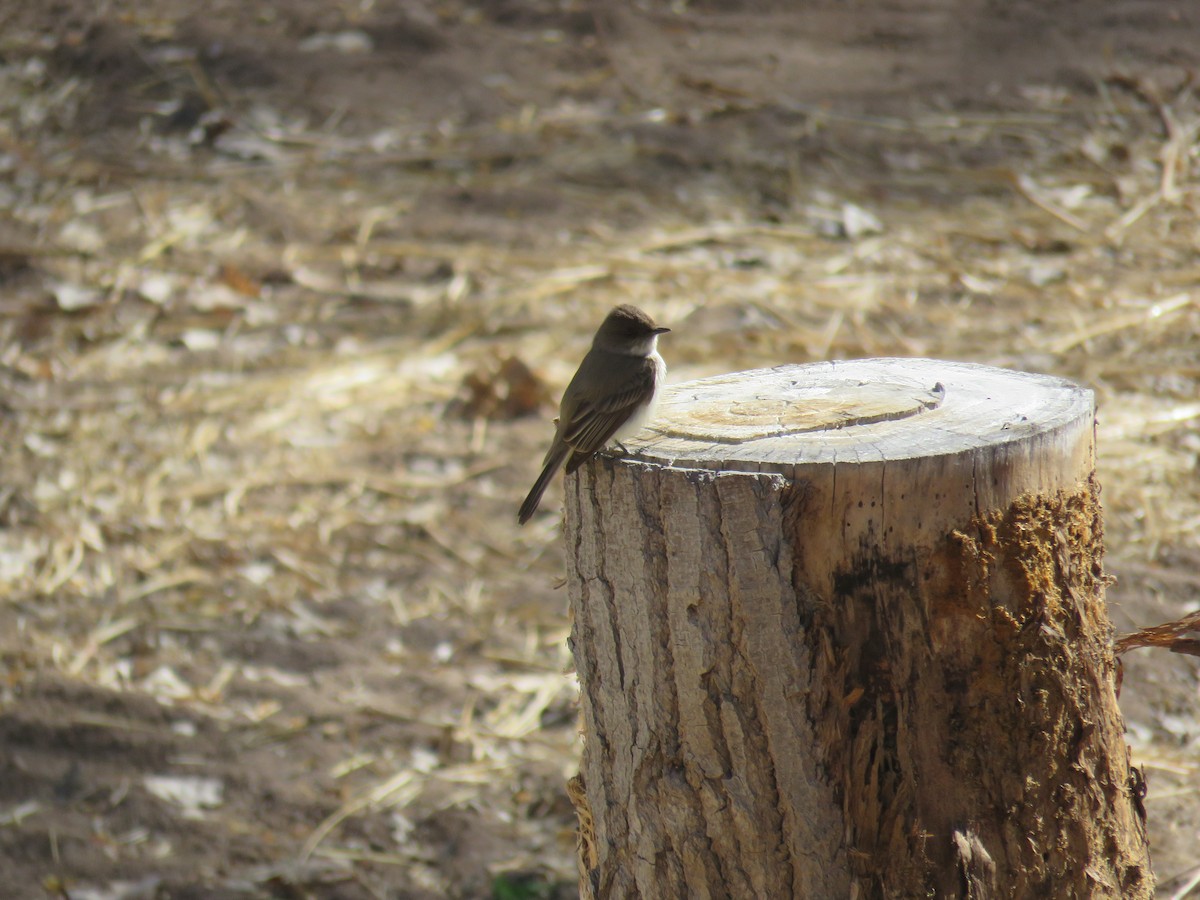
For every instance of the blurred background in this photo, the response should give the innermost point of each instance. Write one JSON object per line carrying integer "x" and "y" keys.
{"x": 288, "y": 293}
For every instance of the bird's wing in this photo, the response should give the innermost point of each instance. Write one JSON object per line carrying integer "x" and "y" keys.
{"x": 593, "y": 424}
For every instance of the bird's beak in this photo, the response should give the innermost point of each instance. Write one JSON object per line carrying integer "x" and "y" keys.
{"x": 661, "y": 330}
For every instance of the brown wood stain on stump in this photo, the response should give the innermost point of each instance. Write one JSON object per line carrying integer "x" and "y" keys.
{"x": 1006, "y": 626}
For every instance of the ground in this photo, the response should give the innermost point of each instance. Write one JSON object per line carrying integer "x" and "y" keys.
{"x": 288, "y": 291}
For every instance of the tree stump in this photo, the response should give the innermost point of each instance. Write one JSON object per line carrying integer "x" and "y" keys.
{"x": 840, "y": 632}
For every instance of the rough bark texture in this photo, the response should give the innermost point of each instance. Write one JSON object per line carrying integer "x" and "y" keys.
{"x": 695, "y": 686}
{"x": 880, "y": 678}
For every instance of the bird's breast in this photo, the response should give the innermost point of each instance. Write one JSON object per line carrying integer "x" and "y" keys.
{"x": 645, "y": 412}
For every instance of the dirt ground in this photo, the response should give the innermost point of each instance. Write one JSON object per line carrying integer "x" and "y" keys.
{"x": 288, "y": 291}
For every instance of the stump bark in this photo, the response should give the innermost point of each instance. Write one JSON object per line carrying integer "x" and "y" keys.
{"x": 840, "y": 632}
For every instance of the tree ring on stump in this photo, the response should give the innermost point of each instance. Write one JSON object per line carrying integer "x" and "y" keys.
{"x": 802, "y": 405}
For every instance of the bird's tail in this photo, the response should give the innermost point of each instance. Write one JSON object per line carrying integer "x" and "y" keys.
{"x": 554, "y": 459}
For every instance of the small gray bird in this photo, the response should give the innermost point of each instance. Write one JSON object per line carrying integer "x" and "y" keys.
{"x": 610, "y": 397}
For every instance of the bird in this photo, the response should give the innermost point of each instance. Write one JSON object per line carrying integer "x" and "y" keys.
{"x": 611, "y": 396}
